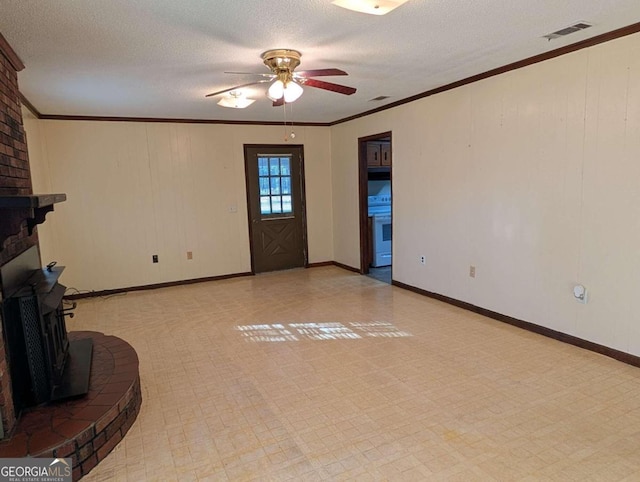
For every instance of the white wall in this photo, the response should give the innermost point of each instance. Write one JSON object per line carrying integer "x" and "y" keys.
{"x": 532, "y": 176}
{"x": 137, "y": 189}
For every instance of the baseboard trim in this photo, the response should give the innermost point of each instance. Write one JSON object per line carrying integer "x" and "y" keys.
{"x": 333, "y": 263}
{"x": 321, "y": 264}
{"x": 116, "y": 291}
{"x": 347, "y": 267}
{"x": 526, "y": 325}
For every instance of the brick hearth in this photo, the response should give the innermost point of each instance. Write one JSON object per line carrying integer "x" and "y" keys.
{"x": 88, "y": 428}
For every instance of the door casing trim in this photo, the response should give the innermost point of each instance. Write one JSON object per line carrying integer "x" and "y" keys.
{"x": 363, "y": 188}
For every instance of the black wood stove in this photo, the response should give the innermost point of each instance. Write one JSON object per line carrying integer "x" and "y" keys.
{"x": 44, "y": 365}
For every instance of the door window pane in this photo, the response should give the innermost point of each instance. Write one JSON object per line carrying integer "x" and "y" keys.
{"x": 265, "y": 205}
{"x": 276, "y": 204}
{"x": 285, "y": 166}
{"x": 263, "y": 166}
{"x": 274, "y": 166}
{"x": 286, "y": 204}
{"x": 274, "y": 178}
{"x": 264, "y": 186}
{"x": 275, "y": 185}
{"x": 285, "y": 185}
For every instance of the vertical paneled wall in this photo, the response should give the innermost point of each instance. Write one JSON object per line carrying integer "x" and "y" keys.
{"x": 532, "y": 177}
{"x": 137, "y": 189}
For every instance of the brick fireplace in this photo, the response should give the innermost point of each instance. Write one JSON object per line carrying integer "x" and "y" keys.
{"x": 15, "y": 179}
{"x": 83, "y": 425}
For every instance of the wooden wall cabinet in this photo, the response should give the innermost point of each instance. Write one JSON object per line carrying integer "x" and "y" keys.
{"x": 378, "y": 154}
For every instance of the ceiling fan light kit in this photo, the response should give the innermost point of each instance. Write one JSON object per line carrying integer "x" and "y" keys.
{"x": 290, "y": 91}
{"x": 373, "y": 7}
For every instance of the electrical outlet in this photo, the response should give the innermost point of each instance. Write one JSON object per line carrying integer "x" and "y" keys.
{"x": 472, "y": 271}
{"x": 189, "y": 254}
{"x": 154, "y": 258}
{"x": 423, "y": 259}
{"x": 580, "y": 294}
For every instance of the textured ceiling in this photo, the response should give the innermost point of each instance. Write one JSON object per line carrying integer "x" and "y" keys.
{"x": 158, "y": 58}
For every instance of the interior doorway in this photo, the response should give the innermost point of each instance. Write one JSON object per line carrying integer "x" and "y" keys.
{"x": 375, "y": 192}
{"x": 276, "y": 207}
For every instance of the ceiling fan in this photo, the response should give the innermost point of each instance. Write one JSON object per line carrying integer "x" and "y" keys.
{"x": 286, "y": 84}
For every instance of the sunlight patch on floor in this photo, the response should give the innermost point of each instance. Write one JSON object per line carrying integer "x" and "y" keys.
{"x": 279, "y": 332}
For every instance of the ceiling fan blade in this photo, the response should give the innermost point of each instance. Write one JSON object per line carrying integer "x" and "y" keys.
{"x": 321, "y": 84}
{"x": 238, "y": 87}
{"x": 279, "y": 102}
{"x": 319, "y": 73}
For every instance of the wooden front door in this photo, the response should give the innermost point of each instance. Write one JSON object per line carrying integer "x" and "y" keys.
{"x": 275, "y": 197}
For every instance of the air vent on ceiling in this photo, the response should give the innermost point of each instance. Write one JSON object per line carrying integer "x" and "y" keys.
{"x": 380, "y": 97}
{"x": 567, "y": 30}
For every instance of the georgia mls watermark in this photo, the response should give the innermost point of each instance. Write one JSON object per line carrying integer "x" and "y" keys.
{"x": 35, "y": 470}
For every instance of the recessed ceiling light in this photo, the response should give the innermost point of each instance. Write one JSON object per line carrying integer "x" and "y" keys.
{"x": 374, "y": 7}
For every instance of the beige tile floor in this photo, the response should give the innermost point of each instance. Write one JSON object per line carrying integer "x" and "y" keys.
{"x": 322, "y": 374}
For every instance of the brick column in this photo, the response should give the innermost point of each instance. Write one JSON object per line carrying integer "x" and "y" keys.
{"x": 15, "y": 178}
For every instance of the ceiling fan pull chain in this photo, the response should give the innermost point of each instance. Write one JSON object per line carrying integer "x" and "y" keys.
{"x": 284, "y": 108}
{"x": 293, "y": 134}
